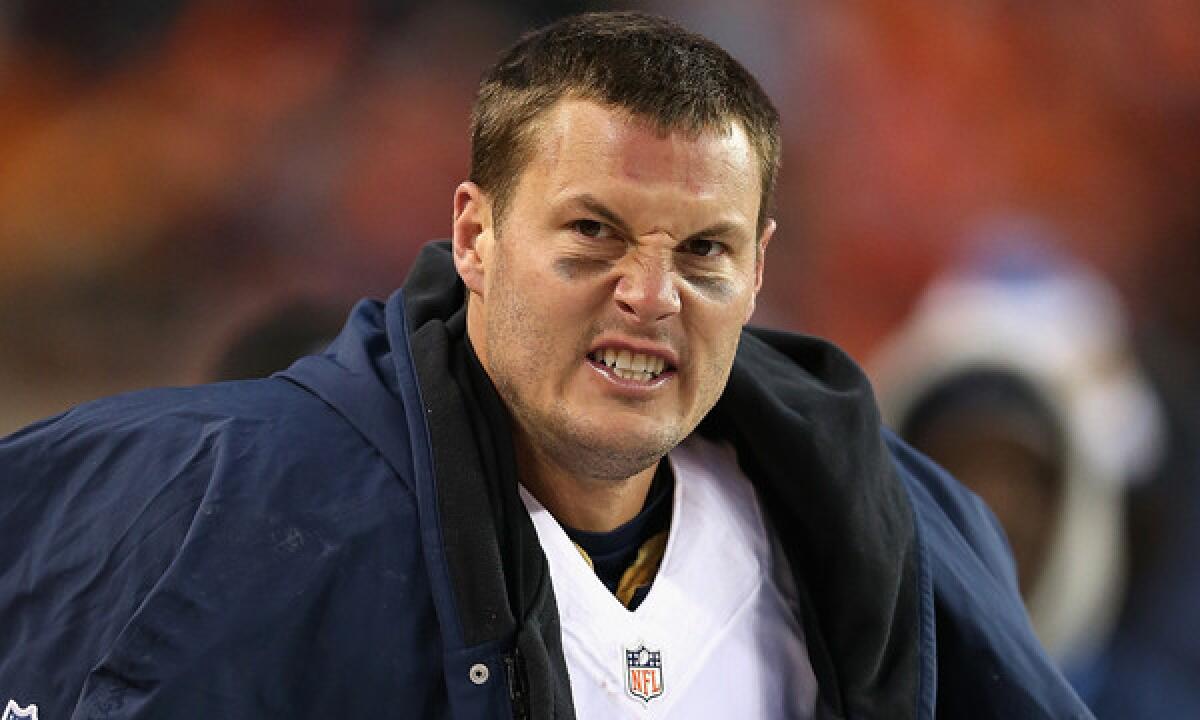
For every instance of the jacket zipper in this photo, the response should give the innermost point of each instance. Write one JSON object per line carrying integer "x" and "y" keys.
{"x": 518, "y": 692}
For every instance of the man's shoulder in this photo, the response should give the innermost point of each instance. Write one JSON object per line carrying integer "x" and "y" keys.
{"x": 987, "y": 654}
{"x": 183, "y": 520}
{"x": 181, "y": 440}
{"x": 954, "y": 520}
{"x": 259, "y": 400}
{"x": 167, "y": 417}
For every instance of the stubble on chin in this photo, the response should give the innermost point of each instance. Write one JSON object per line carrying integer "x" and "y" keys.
{"x": 557, "y": 437}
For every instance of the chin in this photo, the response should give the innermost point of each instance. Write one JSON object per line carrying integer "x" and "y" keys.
{"x": 618, "y": 455}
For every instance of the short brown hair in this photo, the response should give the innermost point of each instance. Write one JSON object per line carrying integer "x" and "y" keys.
{"x": 646, "y": 65}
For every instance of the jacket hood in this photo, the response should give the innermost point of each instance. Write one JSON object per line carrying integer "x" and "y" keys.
{"x": 833, "y": 496}
{"x": 391, "y": 375}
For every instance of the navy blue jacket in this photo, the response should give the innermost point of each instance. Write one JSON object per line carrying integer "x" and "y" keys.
{"x": 336, "y": 541}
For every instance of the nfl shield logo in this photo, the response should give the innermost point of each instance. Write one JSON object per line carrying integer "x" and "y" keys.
{"x": 643, "y": 673}
{"x": 12, "y": 711}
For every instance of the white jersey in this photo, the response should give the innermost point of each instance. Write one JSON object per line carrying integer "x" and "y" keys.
{"x": 717, "y": 635}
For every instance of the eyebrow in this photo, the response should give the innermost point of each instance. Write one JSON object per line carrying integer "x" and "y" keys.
{"x": 719, "y": 230}
{"x": 594, "y": 206}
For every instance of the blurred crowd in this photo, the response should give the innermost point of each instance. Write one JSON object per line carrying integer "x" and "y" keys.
{"x": 179, "y": 176}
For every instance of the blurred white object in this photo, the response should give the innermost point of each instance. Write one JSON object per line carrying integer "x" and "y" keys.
{"x": 1061, "y": 328}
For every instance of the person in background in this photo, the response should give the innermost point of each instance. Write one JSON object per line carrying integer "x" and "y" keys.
{"x": 1016, "y": 374}
{"x": 270, "y": 340}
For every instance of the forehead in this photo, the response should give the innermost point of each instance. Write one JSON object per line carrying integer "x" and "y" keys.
{"x": 578, "y": 140}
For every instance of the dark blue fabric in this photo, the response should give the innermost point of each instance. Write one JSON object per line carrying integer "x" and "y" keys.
{"x": 228, "y": 551}
{"x": 275, "y": 549}
{"x": 989, "y": 663}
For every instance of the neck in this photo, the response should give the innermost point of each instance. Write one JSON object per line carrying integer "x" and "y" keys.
{"x": 582, "y": 503}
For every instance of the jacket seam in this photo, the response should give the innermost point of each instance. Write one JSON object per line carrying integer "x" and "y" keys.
{"x": 926, "y": 625}
{"x": 435, "y": 556}
{"x": 302, "y": 385}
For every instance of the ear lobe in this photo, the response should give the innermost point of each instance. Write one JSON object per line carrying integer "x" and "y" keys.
{"x": 472, "y": 235}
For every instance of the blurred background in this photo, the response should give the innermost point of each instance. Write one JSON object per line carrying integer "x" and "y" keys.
{"x": 170, "y": 168}
{"x": 172, "y": 172}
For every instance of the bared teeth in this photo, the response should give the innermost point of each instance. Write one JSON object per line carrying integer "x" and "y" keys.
{"x": 630, "y": 365}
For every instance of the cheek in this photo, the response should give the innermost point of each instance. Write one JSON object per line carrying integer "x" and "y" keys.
{"x": 717, "y": 339}
{"x": 717, "y": 323}
{"x": 537, "y": 320}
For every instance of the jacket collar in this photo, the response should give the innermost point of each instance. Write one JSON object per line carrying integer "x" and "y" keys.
{"x": 807, "y": 431}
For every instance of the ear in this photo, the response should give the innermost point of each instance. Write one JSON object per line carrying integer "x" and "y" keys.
{"x": 472, "y": 242}
{"x": 759, "y": 264}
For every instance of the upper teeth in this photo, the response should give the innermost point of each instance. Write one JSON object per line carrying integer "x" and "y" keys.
{"x": 631, "y": 365}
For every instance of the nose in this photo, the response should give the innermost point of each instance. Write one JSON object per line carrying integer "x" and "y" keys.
{"x": 647, "y": 289}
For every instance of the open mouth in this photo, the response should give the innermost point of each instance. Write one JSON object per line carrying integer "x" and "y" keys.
{"x": 628, "y": 365}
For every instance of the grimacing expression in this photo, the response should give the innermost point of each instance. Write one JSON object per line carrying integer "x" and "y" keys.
{"x": 607, "y": 304}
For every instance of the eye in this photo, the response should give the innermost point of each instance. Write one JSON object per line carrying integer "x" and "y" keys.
{"x": 703, "y": 247}
{"x": 593, "y": 229}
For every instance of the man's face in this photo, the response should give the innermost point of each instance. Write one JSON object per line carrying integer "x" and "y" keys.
{"x": 608, "y": 303}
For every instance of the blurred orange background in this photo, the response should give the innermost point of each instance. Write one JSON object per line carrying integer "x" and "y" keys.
{"x": 168, "y": 169}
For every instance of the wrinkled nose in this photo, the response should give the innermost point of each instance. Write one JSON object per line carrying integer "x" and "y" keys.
{"x": 647, "y": 289}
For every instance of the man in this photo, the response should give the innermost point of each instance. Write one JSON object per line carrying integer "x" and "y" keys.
{"x": 463, "y": 509}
